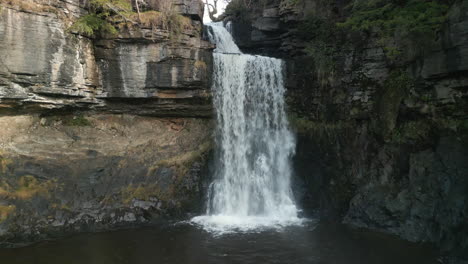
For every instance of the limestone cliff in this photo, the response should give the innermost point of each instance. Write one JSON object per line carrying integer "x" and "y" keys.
{"x": 99, "y": 132}
{"x": 44, "y": 66}
{"x": 383, "y": 139}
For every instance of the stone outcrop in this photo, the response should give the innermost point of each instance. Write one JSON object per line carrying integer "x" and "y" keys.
{"x": 44, "y": 66}
{"x": 99, "y": 133}
{"x": 372, "y": 152}
{"x": 85, "y": 173}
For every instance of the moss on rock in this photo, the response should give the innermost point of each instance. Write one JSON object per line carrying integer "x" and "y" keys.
{"x": 6, "y": 211}
{"x": 392, "y": 93}
{"x": 25, "y": 188}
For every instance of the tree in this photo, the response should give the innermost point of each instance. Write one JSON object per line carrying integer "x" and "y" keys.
{"x": 213, "y": 10}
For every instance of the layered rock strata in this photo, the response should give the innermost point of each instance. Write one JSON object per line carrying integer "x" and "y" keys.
{"x": 103, "y": 132}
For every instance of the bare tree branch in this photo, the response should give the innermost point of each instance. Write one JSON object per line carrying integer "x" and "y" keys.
{"x": 214, "y": 10}
{"x": 138, "y": 10}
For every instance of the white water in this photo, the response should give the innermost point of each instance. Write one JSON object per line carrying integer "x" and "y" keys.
{"x": 251, "y": 189}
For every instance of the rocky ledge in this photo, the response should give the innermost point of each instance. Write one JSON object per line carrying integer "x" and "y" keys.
{"x": 99, "y": 132}
{"x": 84, "y": 173}
{"x": 44, "y": 67}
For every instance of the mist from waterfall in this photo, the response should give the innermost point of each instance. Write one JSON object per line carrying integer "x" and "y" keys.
{"x": 251, "y": 187}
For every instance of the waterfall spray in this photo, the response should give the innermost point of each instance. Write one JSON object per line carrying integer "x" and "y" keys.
{"x": 251, "y": 186}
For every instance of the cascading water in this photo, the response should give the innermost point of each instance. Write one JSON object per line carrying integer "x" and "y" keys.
{"x": 252, "y": 186}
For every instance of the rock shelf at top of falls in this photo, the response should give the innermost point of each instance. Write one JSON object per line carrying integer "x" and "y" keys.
{"x": 251, "y": 187}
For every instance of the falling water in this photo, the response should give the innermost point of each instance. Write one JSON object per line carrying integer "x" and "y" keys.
{"x": 252, "y": 186}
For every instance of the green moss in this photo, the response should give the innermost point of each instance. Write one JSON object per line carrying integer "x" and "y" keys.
{"x": 6, "y": 211}
{"x": 142, "y": 192}
{"x": 412, "y": 132}
{"x": 182, "y": 163}
{"x": 313, "y": 128}
{"x": 394, "y": 89}
{"x": 25, "y": 188}
{"x": 321, "y": 36}
{"x": 186, "y": 158}
{"x": 79, "y": 121}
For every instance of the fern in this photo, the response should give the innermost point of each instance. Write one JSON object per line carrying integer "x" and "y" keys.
{"x": 90, "y": 24}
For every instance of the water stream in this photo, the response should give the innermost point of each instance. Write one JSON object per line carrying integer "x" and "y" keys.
{"x": 251, "y": 187}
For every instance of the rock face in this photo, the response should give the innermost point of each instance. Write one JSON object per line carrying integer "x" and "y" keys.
{"x": 86, "y": 173}
{"x": 45, "y": 67}
{"x": 373, "y": 152}
{"x": 99, "y": 133}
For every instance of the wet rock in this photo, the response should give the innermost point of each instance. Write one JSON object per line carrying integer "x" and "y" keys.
{"x": 140, "y": 169}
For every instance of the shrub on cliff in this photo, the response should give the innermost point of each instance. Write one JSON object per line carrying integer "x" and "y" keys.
{"x": 414, "y": 20}
{"x": 105, "y": 15}
{"x": 243, "y": 10}
{"x": 408, "y": 17}
{"x": 100, "y": 14}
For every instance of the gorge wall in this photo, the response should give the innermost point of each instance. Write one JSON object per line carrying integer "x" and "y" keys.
{"x": 99, "y": 132}
{"x": 382, "y": 138}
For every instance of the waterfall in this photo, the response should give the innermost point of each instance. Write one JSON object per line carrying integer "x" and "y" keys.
{"x": 251, "y": 186}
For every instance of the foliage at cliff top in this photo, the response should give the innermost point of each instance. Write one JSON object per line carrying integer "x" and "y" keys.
{"x": 243, "y": 10}
{"x": 104, "y": 15}
{"x": 405, "y": 17}
{"x": 100, "y": 13}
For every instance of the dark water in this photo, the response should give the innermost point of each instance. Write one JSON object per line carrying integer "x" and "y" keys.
{"x": 318, "y": 244}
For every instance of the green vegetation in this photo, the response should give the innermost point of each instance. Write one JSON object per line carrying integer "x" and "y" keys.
{"x": 4, "y": 163}
{"x": 409, "y": 17}
{"x": 6, "y": 211}
{"x": 238, "y": 9}
{"x": 244, "y": 10}
{"x": 106, "y": 16}
{"x": 398, "y": 80}
{"x": 88, "y": 25}
{"x": 395, "y": 87}
{"x": 79, "y": 120}
{"x": 416, "y": 20}
{"x": 101, "y": 13}
{"x": 142, "y": 192}
{"x": 321, "y": 35}
{"x": 314, "y": 128}
{"x": 25, "y": 188}
{"x": 412, "y": 131}
{"x": 289, "y": 4}
{"x": 182, "y": 163}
